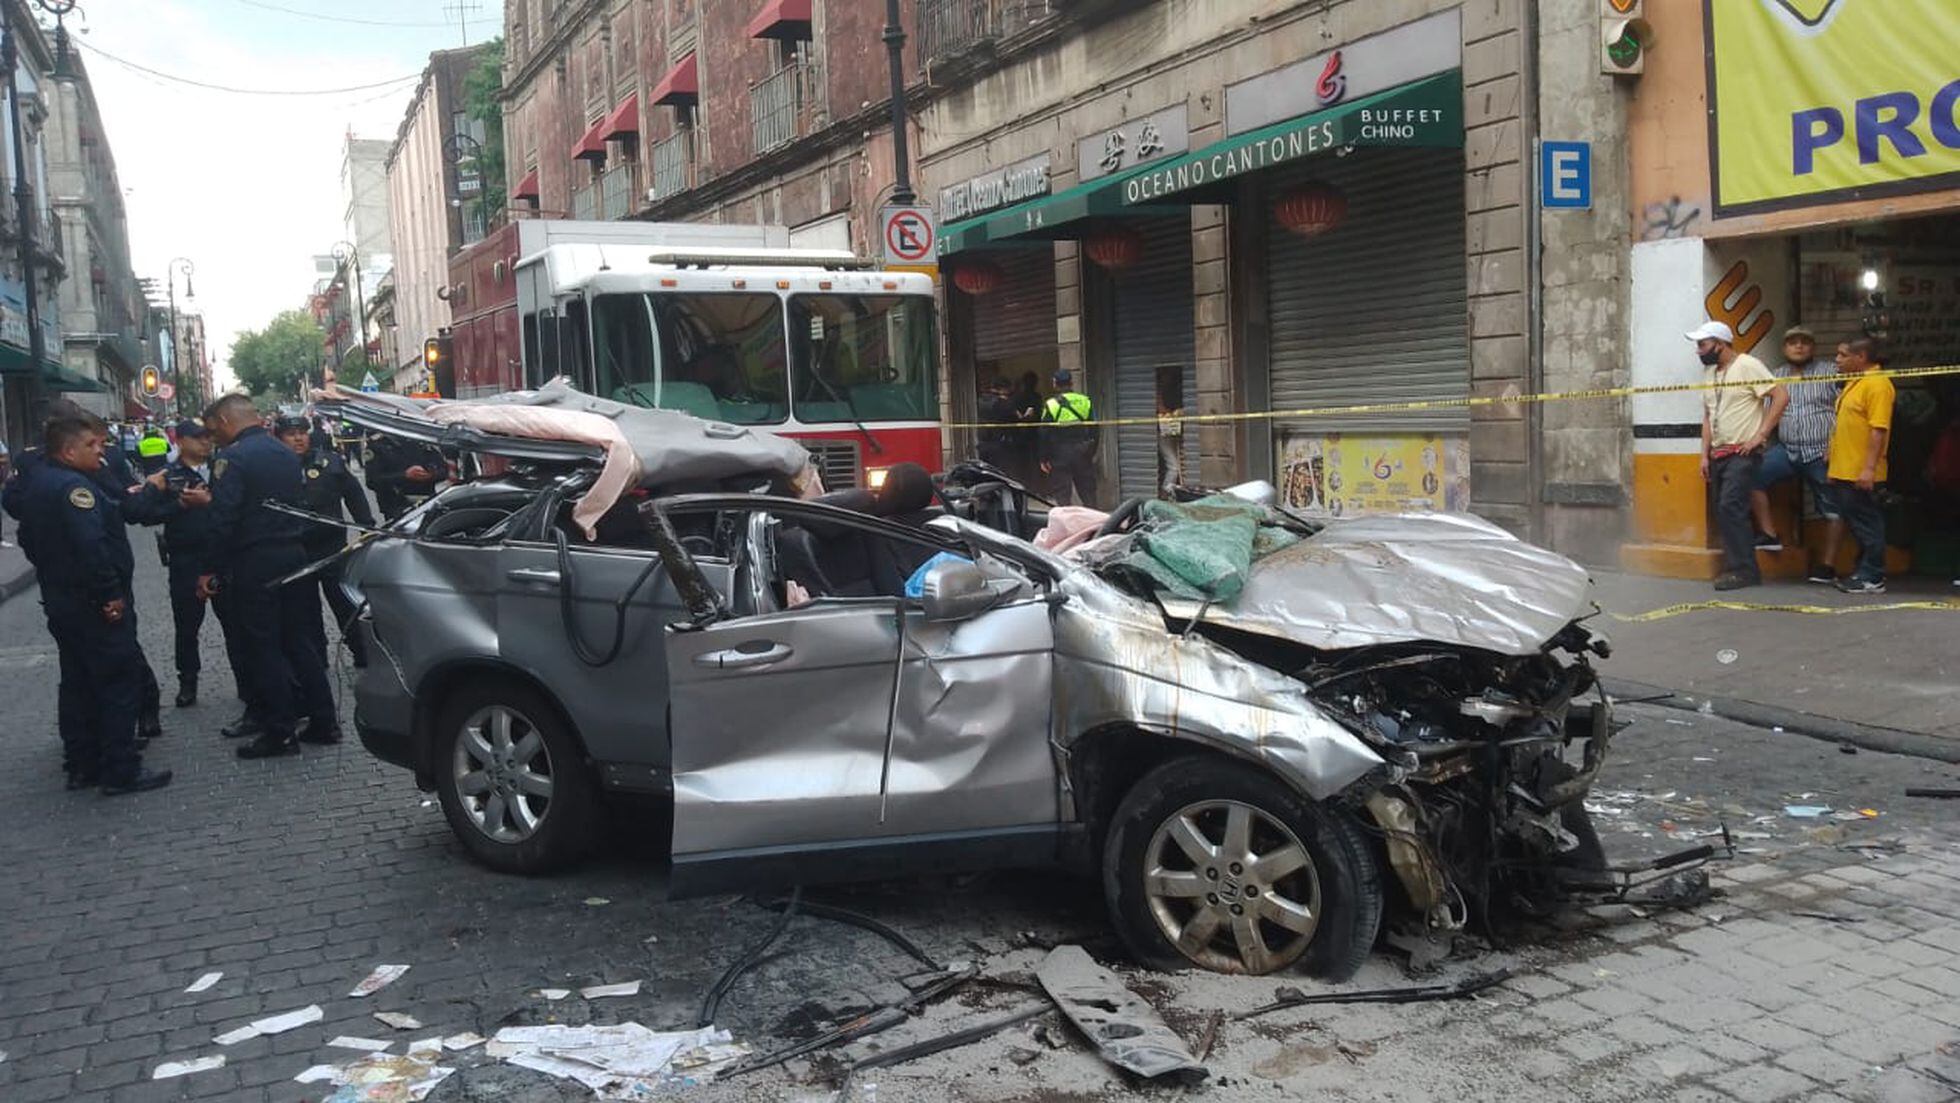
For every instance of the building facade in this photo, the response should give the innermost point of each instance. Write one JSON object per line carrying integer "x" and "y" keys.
{"x": 22, "y": 381}
{"x": 435, "y": 204}
{"x": 1264, "y": 212}
{"x": 1830, "y": 200}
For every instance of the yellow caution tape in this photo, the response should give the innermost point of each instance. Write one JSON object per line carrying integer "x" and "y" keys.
{"x": 1472, "y": 402}
{"x": 1667, "y": 611}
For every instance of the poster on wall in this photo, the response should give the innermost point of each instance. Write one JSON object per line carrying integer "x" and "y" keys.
{"x": 1341, "y": 475}
{"x": 1817, "y": 101}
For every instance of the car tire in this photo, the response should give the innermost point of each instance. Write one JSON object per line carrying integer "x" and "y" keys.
{"x": 487, "y": 768}
{"x": 1155, "y": 884}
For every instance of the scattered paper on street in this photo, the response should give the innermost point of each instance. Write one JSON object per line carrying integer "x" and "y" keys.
{"x": 465, "y": 1040}
{"x": 382, "y": 977}
{"x": 184, "y": 1068}
{"x": 597, "y": 991}
{"x": 596, "y": 901}
{"x": 554, "y": 993}
{"x": 425, "y": 1045}
{"x": 318, "y": 1073}
{"x": 204, "y": 982}
{"x": 233, "y": 1037}
{"x": 626, "y": 1061}
{"x": 365, "y": 1045}
{"x": 381, "y": 1077}
{"x": 398, "y": 1020}
{"x": 279, "y": 1024}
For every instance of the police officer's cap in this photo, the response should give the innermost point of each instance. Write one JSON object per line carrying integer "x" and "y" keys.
{"x": 1063, "y": 377}
{"x": 289, "y": 422}
{"x": 189, "y": 428}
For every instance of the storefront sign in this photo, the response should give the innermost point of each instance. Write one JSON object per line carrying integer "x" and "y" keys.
{"x": 1358, "y": 69}
{"x": 1336, "y": 475}
{"x": 1024, "y": 180}
{"x": 1137, "y": 142}
{"x": 1825, "y": 100}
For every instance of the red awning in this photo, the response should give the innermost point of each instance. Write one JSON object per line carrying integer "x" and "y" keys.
{"x": 592, "y": 146}
{"x": 681, "y": 85}
{"x": 526, "y": 188}
{"x": 788, "y": 19}
{"x": 624, "y": 122}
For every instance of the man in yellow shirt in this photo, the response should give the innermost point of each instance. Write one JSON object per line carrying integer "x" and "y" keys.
{"x": 1734, "y": 430}
{"x": 1857, "y": 460}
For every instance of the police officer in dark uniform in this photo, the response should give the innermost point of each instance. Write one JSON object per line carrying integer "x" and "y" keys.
{"x": 329, "y": 488}
{"x": 73, "y": 534}
{"x": 1068, "y": 447}
{"x": 278, "y": 627}
{"x": 402, "y": 472}
{"x": 178, "y": 498}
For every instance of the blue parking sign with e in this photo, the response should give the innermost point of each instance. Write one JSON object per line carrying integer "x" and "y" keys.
{"x": 1565, "y": 174}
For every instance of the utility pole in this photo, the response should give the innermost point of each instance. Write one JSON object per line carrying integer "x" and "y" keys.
{"x": 176, "y": 343}
{"x": 462, "y": 10}
{"x": 902, "y": 194}
{"x": 350, "y": 254}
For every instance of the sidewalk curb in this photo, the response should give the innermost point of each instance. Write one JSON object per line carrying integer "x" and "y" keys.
{"x": 16, "y": 584}
{"x": 1867, "y": 736}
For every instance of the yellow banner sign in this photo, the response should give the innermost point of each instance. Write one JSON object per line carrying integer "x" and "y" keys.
{"x": 1816, "y": 101}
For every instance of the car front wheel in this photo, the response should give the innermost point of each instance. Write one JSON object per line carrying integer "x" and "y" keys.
{"x": 513, "y": 782}
{"x": 1216, "y": 864}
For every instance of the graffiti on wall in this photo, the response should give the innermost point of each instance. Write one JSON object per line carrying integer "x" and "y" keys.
{"x": 1668, "y": 219}
{"x": 1733, "y": 298}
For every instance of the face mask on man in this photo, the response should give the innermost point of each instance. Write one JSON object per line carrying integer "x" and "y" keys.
{"x": 1712, "y": 357}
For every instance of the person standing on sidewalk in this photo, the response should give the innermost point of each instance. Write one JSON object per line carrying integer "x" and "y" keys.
{"x": 1857, "y": 466}
{"x": 1803, "y": 439}
{"x": 1734, "y": 429}
{"x": 1067, "y": 444}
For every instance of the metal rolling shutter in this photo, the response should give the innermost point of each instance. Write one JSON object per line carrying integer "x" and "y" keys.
{"x": 1376, "y": 309}
{"x": 1153, "y": 326}
{"x": 1018, "y": 316}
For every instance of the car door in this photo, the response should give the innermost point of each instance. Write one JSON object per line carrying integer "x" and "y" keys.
{"x": 806, "y": 750}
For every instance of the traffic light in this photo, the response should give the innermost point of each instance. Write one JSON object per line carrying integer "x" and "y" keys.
{"x": 1625, "y": 36}
{"x": 152, "y": 380}
{"x": 435, "y": 353}
{"x": 436, "y": 357}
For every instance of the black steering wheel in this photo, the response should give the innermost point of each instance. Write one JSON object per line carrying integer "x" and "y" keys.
{"x": 1123, "y": 517}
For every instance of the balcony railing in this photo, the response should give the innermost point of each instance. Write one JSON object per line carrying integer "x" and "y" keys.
{"x": 670, "y": 164}
{"x": 616, "y": 191}
{"x": 585, "y": 203}
{"x": 776, "y": 107}
{"x": 948, "y": 28}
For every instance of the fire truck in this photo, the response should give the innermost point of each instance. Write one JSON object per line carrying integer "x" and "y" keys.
{"x": 725, "y": 322}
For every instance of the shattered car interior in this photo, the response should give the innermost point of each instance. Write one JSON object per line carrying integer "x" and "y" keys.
{"x": 1270, "y": 738}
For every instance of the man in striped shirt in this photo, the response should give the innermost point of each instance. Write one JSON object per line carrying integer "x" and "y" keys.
{"x": 1803, "y": 438}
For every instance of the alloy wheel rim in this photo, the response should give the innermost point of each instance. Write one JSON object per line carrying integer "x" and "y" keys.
{"x": 1231, "y": 887}
{"x": 503, "y": 774}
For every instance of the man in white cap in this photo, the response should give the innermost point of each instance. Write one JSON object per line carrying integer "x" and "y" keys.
{"x": 1734, "y": 430}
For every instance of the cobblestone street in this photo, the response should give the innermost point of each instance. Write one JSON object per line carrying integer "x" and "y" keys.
{"x": 1826, "y": 970}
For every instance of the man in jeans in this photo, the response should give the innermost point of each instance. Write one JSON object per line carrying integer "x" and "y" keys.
{"x": 1734, "y": 428}
{"x": 1803, "y": 438}
{"x": 1857, "y": 465}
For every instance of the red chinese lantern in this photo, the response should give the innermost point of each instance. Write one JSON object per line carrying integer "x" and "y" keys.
{"x": 978, "y": 277}
{"x": 1311, "y": 210}
{"x": 1114, "y": 247}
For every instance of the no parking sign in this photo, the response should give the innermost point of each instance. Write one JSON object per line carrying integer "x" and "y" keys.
{"x": 908, "y": 235}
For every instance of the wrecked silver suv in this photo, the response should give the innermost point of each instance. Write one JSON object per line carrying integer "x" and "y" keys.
{"x": 1393, "y": 720}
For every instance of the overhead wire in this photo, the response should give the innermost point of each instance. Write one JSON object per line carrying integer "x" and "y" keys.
{"x": 348, "y": 19}
{"x": 211, "y": 87}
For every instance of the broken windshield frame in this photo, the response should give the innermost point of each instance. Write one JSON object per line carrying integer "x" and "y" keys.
{"x": 864, "y": 358}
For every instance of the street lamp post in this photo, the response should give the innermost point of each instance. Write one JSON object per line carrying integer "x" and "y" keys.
{"x": 460, "y": 148}
{"x": 350, "y": 255}
{"x": 902, "y": 194}
{"x": 176, "y": 345}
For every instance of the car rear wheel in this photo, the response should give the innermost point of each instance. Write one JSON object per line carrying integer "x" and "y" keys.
{"x": 513, "y": 782}
{"x": 1216, "y": 864}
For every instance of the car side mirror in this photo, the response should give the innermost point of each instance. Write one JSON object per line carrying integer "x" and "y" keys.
{"x": 957, "y": 589}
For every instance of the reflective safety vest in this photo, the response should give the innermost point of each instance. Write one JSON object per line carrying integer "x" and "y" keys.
{"x": 1067, "y": 407}
{"x": 153, "y": 446}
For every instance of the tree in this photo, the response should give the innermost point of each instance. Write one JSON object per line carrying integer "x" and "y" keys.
{"x": 483, "y": 91}
{"x": 275, "y": 358}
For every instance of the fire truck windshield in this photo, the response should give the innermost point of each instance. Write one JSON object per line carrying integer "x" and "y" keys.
{"x": 728, "y": 356}
{"x": 861, "y": 358}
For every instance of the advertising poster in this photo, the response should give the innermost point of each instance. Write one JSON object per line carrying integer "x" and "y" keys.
{"x": 1341, "y": 475}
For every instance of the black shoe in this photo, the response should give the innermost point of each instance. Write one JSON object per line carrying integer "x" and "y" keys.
{"x": 149, "y": 728}
{"x": 186, "y": 692}
{"x": 1862, "y": 586}
{"x": 1822, "y": 575}
{"x": 268, "y": 745}
{"x": 82, "y": 779}
{"x": 1767, "y": 543}
{"x": 326, "y": 735}
{"x": 245, "y": 725}
{"x": 1733, "y": 581}
{"x": 143, "y": 782}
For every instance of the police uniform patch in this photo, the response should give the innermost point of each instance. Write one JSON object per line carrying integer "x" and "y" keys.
{"x": 312, "y": 472}
{"x": 218, "y": 469}
{"x": 81, "y": 498}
